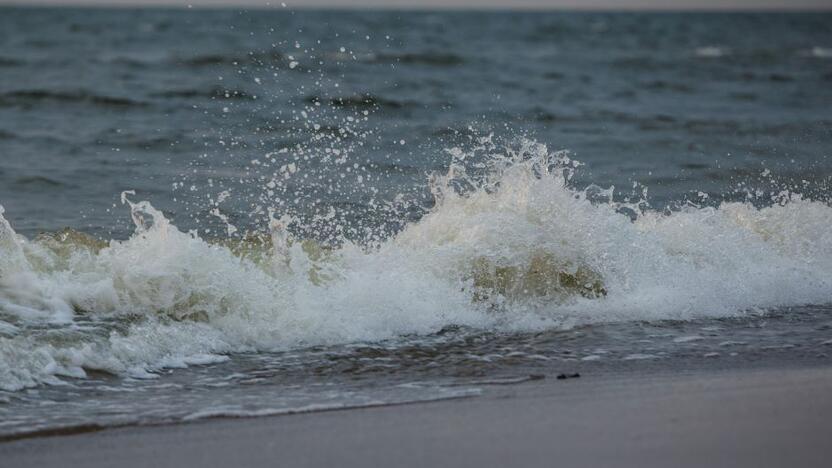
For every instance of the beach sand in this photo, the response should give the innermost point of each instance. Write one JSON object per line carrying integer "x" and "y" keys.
{"x": 752, "y": 417}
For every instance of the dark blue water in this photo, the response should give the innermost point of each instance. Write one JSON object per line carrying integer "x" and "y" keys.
{"x": 93, "y": 102}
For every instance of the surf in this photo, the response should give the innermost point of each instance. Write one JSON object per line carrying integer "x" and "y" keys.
{"x": 510, "y": 244}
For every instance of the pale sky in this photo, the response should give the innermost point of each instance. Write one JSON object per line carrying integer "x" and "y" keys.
{"x": 507, "y": 4}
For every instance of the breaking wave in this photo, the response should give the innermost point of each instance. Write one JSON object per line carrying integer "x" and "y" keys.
{"x": 512, "y": 247}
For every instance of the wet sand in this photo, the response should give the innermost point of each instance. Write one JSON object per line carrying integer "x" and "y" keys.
{"x": 754, "y": 418}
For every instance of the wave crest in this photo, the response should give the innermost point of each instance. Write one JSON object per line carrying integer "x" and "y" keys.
{"x": 510, "y": 244}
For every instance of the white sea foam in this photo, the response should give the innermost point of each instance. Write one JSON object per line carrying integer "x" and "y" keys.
{"x": 179, "y": 300}
{"x": 821, "y": 52}
{"x": 711, "y": 52}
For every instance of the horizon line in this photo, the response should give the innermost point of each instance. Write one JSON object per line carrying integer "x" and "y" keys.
{"x": 486, "y": 8}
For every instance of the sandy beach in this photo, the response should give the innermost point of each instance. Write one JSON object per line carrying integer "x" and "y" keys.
{"x": 754, "y": 418}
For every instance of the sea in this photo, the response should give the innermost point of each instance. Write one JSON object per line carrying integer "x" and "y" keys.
{"x": 228, "y": 213}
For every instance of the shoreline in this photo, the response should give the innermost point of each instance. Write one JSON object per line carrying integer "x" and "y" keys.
{"x": 770, "y": 416}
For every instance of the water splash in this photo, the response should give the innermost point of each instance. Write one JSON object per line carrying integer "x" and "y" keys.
{"x": 510, "y": 244}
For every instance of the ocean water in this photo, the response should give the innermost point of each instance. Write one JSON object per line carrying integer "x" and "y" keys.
{"x": 228, "y": 213}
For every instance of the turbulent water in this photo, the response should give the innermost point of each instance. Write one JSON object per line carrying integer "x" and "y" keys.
{"x": 240, "y": 213}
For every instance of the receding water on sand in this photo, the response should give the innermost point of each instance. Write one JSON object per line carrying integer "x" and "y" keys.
{"x": 454, "y": 363}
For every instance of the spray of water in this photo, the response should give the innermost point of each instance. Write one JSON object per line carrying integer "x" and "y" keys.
{"x": 509, "y": 244}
